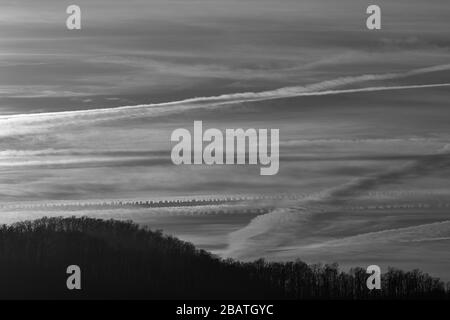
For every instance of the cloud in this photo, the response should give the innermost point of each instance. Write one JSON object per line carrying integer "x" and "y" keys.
{"x": 265, "y": 231}
{"x": 37, "y": 92}
{"x": 274, "y": 228}
{"x": 421, "y": 166}
{"x": 35, "y": 122}
{"x": 438, "y": 231}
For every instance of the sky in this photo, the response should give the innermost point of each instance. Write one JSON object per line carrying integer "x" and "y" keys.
{"x": 157, "y": 51}
{"x": 363, "y": 116}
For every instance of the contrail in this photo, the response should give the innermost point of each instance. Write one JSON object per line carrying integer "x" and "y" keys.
{"x": 436, "y": 231}
{"x": 36, "y": 122}
{"x": 316, "y": 89}
{"x": 278, "y": 225}
{"x": 225, "y": 99}
{"x": 370, "y": 89}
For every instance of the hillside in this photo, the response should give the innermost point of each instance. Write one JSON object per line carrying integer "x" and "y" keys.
{"x": 123, "y": 260}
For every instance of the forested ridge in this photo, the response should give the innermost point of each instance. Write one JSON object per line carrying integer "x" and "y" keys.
{"x": 123, "y": 260}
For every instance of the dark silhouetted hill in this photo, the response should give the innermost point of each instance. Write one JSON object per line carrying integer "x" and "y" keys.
{"x": 123, "y": 260}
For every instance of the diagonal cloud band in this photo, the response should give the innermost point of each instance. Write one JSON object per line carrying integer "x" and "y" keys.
{"x": 29, "y": 123}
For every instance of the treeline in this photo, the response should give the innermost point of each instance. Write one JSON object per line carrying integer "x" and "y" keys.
{"x": 122, "y": 260}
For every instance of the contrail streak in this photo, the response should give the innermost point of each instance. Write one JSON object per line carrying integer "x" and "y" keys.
{"x": 276, "y": 226}
{"x": 12, "y": 123}
{"x": 316, "y": 89}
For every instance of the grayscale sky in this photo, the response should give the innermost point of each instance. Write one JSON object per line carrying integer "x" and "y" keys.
{"x": 363, "y": 118}
{"x": 131, "y": 52}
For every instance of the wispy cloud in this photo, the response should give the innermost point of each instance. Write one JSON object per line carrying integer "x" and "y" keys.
{"x": 27, "y": 123}
{"x": 274, "y": 228}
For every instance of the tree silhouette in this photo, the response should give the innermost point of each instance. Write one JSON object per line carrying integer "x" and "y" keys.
{"x": 122, "y": 260}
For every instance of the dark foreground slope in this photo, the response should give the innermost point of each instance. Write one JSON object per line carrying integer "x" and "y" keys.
{"x": 122, "y": 260}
